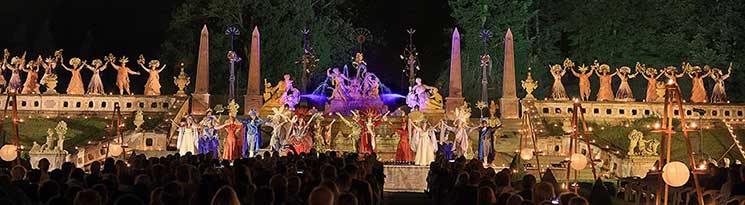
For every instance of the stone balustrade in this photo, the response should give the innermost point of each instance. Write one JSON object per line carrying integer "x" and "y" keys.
{"x": 625, "y": 111}
{"x": 93, "y": 104}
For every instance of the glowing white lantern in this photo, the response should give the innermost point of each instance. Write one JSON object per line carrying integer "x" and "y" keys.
{"x": 9, "y": 152}
{"x": 579, "y": 161}
{"x": 526, "y": 154}
{"x": 115, "y": 150}
{"x": 675, "y": 174}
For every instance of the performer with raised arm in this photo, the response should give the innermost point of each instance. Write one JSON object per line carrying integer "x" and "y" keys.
{"x": 232, "y": 148}
{"x": 356, "y": 128}
{"x": 95, "y": 86}
{"x": 322, "y": 135}
{"x": 557, "y": 90}
{"x": 122, "y": 73}
{"x": 719, "y": 95}
{"x": 299, "y": 138}
{"x": 403, "y": 150}
{"x": 15, "y": 66}
{"x": 624, "y": 92}
{"x": 31, "y": 86}
{"x": 152, "y": 87}
{"x": 208, "y": 140}
{"x": 651, "y": 75}
{"x": 461, "y": 130}
{"x": 369, "y": 123}
{"x": 671, "y": 72}
{"x": 605, "y": 93}
{"x": 426, "y": 143}
{"x": 584, "y": 81}
{"x": 697, "y": 75}
{"x": 187, "y": 137}
{"x": 251, "y": 134}
{"x": 279, "y": 131}
{"x": 75, "y": 87}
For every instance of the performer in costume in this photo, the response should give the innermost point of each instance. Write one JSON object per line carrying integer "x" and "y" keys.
{"x": 461, "y": 130}
{"x": 279, "y": 132}
{"x": 122, "y": 74}
{"x": 426, "y": 143}
{"x": 584, "y": 81}
{"x": 300, "y": 138}
{"x": 356, "y": 128}
{"x": 3, "y": 82}
{"x": 719, "y": 95}
{"x": 232, "y": 148}
{"x": 322, "y": 135}
{"x": 651, "y": 75}
{"x": 152, "y": 87}
{"x": 624, "y": 92}
{"x": 403, "y": 151}
{"x": 486, "y": 140}
{"x": 367, "y": 136}
{"x": 15, "y": 66}
{"x": 208, "y": 140}
{"x": 187, "y": 137}
{"x": 251, "y": 134}
{"x": 697, "y": 75}
{"x": 557, "y": 90}
{"x": 31, "y": 86}
{"x": 95, "y": 87}
{"x": 75, "y": 87}
{"x": 605, "y": 93}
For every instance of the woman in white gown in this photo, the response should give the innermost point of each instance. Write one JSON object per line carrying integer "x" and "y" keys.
{"x": 426, "y": 143}
{"x": 187, "y": 137}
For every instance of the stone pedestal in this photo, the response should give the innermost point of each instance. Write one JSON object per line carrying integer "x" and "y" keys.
{"x": 510, "y": 114}
{"x": 640, "y": 165}
{"x": 200, "y": 103}
{"x": 55, "y": 159}
{"x": 252, "y": 102}
{"x": 345, "y": 107}
{"x": 453, "y": 102}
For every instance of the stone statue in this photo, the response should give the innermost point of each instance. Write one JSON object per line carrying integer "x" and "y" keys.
{"x": 337, "y": 81}
{"x": 624, "y": 92}
{"x": 61, "y": 130}
{"x": 36, "y": 148}
{"x": 529, "y": 85}
{"x": 584, "y": 81}
{"x": 139, "y": 120}
{"x": 49, "y": 144}
{"x": 639, "y": 146}
{"x": 122, "y": 73}
{"x": 697, "y": 75}
{"x": 273, "y": 95}
{"x": 651, "y": 75}
{"x": 152, "y": 87}
{"x": 605, "y": 93}
{"x": 75, "y": 86}
{"x": 651, "y": 147}
{"x": 557, "y": 90}
{"x": 719, "y": 95}
{"x": 420, "y": 96}
{"x": 634, "y": 138}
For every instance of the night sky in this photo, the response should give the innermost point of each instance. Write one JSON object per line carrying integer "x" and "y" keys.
{"x": 93, "y": 28}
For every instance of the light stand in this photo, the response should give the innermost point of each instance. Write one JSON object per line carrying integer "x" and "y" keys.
{"x": 576, "y": 135}
{"x": 529, "y": 131}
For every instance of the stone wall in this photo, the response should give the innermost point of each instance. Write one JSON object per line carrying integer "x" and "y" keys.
{"x": 103, "y": 105}
{"x": 617, "y": 112}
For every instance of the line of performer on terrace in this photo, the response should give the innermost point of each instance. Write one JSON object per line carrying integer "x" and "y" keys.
{"x": 301, "y": 130}
{"x": 32, "y": 83}
{"x": 655, "y": 90}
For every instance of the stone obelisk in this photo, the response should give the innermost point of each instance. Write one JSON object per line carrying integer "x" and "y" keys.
{"x": 201, "y": 95}
{"x": 455, "y": 95}
{"x": 509, "y": 103}
{"x": 253, "y": 99}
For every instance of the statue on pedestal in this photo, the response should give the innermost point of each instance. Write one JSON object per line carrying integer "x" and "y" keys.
{"x": 651, "y": 75}
{"x": 32, "y": 70}
{"x": 337, "y": 81}
{"x": 605, "y": 93}
{"x": 15, "y": 66}
{"x": 557, "y": 90}
{"x": 529, "y": 85}
{"x": 719, "y": 95}
{"x": 181, "y": 81}
{"x": 75, "y": 87}
{"x": 122, "y": 73}
{"x": 152, "y": 87}
{"x": 638, "y": 146}
{"x": 425, "y": 97}
{"x": 584, "y": 81}
{"x": 273, "y": 94}
{"x": 139, "y": 120}
{"x": 95, "y": 86}
{"x": 61, "y": 130}
{"x": 624, "y": 92}
{"x": 697, "y": 75}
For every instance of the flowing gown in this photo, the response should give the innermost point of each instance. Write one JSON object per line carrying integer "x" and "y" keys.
{"x": 719, "y": 95}
{"x": 403, "y": 151}
{"x": 425, "y": 152}
{"x": 651, "y": 89}
{"x": 698, "y": 92}
{"x": 365, "y": 138}
{"x": 624, "y": 90}
{"x": 232, "y": 149}
{"x": 152, "y": 87}
{"x": 15, "y": 81}
{"x": 31, "y": 86}
{"x": 209, "y": 142}
{"x": 76, "y": 83}
{"x": 605, "y": 93}
{"x": 486, "y": 140}
{"x": 557, "y": 90}
{"x": 251, "y": 136}
{"x": 96, "y": 85}
{"x": 187, "y": 141}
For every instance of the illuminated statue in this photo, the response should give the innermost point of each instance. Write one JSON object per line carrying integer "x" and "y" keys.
{"x": 419, "y": 96}
{"x": 152, "y": 87}
{"x": 651, "y": 75}
{"x": 337, "y": 81}
{"x": 557, "y": 90}
{"x": 605, "y": 93}
{"x": 719, "y": 95}
{"x": 584, "y": 81}
{"x": 15, "y": 66}
{"x": 697, "y": 75}
{"x": 95, "y": 86}
{"x": 624, "y": 92}
{"x": 31, "y": 86}
{"x": 277, "y": 95}
{"x": 75, "y": 87}
{"x": 122, "y": 74}
{"x": 530, "y": 85}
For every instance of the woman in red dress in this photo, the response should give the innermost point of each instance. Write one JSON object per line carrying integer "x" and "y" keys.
{"x": 403, "y": 152}
{"x": 232, "y": 148}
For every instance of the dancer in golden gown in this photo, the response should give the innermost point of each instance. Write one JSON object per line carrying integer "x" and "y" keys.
{"x": 671, "y": 72}
{"x": 605, "y": 93}
{"x": 584, "y": 81}
{"x": 15, "y": 66}
{"x": 152, "y": 87}
{"x": 697, "y": 75}
{"x": 95, "y": 87}
{"x": 122, "y": 74}
{"x": 651, "y": 75}
{"x": 31, "y": 86}
{"x": 624, "y": 92}
{"x": 75, "y": 87}
{"x": 557, "y": 91}
{"x": 719, "y": 95}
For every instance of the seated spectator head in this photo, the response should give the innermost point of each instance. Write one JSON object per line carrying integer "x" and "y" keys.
{"x": 578, "y": 200}
{"x": 48, "y": 189}
{"x": 43, "y": 165}
{"x": 486, "y": 196}
{"x": 17, "y": 173}
{"x": 264, "y": 195}
{"x": 225, "y": 196}
{"x": 88, "y": 197}
{"x": 565, "y": 197}
{"x": 515, "y": 199}
{"x": 543, "y": 192}
{"x": 321, "y": 196}
{"x": 347, "y": 199}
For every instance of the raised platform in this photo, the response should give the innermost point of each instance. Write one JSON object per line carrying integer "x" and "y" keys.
{"x": 405, "y": 178}
{"x": 624, "y": 111}
{"x": 52, "y": 105}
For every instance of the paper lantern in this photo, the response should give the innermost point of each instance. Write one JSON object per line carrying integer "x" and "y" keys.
{"x": 579, "y": 161}
{"x": 526, "y": 154}
{"x": 9, "y": 152}
{"x": 115, "y": 150}
{"x": 675, "y": 174}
